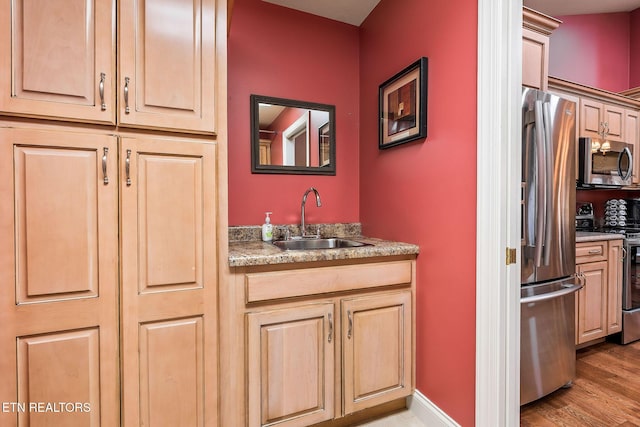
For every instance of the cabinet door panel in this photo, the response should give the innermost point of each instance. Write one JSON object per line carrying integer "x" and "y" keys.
{"x": 376, "y": 337}
{"x": 614, "y": 288}
{"x": 58, "y": 54}
{"x": 60, "y": 367}
{"x": 58, "y": 268}
{"x": 167, "y": 63}
{"x": 614, "y": 122}
{"x": 592, "y": 302}
{"x": 632, "y": 136}
{"x": 591, "y": 118}
{"x": 291, "y": 366}
{"x": 172, "y": 373}
{"x": 535, "y": 59}
{"x": 169, "y": 282}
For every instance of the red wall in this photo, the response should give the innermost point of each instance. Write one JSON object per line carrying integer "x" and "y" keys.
{"x": 634, "y": 60}
{"x": 297, "y": 56}
{"x": 593, "y": 50}
{"x": 425, "y": 192}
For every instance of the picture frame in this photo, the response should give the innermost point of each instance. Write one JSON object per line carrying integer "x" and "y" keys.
{"x": 402, "y": 106}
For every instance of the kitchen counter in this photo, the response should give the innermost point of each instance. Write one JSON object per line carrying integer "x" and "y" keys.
{"x": 246, "y": 248}
{"x": 593, "y": 236}
{"x": 247, "y": 253}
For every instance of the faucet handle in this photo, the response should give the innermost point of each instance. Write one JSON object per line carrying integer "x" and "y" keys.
{"x": 287, "y": 234}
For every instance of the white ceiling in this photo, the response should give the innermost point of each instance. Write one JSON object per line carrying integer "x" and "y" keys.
{"x": 350, "y": 11}
{"x": 581, "y": 7}
{"x": 355, "y": 11}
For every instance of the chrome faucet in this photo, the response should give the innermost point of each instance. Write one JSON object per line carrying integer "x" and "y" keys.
{"x": 303, "y": 233}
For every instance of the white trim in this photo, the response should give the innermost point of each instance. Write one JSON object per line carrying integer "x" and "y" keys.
{"x": 427, "y": 412}
{"x": 288, "y": 139}
{"x": 498, "y": 216}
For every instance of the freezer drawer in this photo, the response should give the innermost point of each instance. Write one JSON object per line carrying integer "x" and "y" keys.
{"x": 547, "y": 338}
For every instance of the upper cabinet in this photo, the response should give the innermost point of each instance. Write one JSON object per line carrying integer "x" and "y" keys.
{"x": 58, "y": 59}
{"x": 536, "y": 29}
{"x": 64, "y": 59}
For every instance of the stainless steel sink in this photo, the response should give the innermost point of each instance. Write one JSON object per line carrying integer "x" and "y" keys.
{"x": 309, "y": 244}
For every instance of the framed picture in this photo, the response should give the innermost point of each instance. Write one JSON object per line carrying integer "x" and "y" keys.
{"x": 402, "y": 106}
{"x": 323, "y": 145}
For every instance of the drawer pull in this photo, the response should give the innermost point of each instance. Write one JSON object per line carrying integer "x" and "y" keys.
{"x": 127, "y": 168}
{"x": 104, "y": 165}
{"x": 595, "y": 252}
{"x": 126, "y": 95}
{"x": 103, "y": 106}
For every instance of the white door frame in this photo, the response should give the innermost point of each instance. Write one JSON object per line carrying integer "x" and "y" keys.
{"x": 498, "y": 212}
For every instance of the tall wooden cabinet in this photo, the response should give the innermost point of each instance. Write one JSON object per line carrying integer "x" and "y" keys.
{"x": 168, "y": 282}
{"x": 59, "y": 276}
{"x": 536, "y": 29}
{"x": 61, "y": 61}
{"x": 110, "y": 230}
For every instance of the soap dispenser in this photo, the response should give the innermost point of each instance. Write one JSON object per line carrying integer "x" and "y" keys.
{"x": 267, "y": 228}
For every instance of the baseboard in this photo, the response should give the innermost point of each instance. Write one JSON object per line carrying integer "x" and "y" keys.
{"x": 427, "y": 412}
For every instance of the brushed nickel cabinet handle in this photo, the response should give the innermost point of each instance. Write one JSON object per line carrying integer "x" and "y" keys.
{"x": 104, "y": 165}
{"x": 126, "y": 95}
{"x": 330, "y": 328}
{"x": 350, "y": 317}
{"x": 595, "y": 251}
{"x": 103, "y": 106}
{"x": 127, "y": 168}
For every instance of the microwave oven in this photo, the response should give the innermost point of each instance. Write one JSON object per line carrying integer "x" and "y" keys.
{"x": 610, "y": 166}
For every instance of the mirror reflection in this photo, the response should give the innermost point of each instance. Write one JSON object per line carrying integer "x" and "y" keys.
{"x": 291, "y": 136}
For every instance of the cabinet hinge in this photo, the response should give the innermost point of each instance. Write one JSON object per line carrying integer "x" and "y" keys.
{"x": 511, "y": 256}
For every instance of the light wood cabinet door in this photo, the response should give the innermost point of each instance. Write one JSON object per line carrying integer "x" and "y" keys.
{"x": 591, "y": 118}
{"x": 167, "y": 69}
{"x": 59, "y": 276}
{"x": 376, "y": 347}
{"x": 291, "y": 366}
{"x": 592, "y": 302}
{"x": 169, "y": 283}
{"x": 632, "y": 136}
{"x": 59, "y": 59}
{"x": 614, "y": 297}
{"x": 535, "y": 59}
{"x": 614, "y": 122}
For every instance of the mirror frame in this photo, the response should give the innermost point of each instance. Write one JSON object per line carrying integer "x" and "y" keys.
{"x": 256, "y": 167}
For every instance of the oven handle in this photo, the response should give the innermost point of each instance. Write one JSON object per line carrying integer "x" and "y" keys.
{"x": 551, "y": 295}
{"x": 627, "y": 152}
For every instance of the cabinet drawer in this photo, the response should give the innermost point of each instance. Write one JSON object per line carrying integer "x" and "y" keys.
{"x": 293, "y": 283}
{"x": 591, "y": 251}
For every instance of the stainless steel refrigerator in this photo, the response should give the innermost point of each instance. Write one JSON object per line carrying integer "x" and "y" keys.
{"x": 548, "y": 279}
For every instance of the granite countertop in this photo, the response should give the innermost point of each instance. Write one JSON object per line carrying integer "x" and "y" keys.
{"x": 593, "y": 236}
{"x": 246, "y": 250}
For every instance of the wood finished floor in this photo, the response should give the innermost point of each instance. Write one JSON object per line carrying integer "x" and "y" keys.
{"x": 606, "y": 391}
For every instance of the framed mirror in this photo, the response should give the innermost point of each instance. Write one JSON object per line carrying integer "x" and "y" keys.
{"x": 292, "y": 137}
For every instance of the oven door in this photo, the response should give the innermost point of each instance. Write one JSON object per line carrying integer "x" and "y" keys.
{"x": 631, "y": 279}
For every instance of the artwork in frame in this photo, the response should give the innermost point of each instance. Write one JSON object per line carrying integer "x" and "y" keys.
{"x": 402, "y": 106}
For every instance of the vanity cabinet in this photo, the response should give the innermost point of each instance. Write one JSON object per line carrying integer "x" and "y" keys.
{"x": 61, "y": 60}
{"x": 599, "y": 302}
{"x": 536, "y": 29}
{"x": 317, "y": 341}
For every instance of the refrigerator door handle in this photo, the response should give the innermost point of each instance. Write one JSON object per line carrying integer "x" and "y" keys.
{"x": 551, "y": 295}
{"x": 541, "y": 176}
{"x": 548, "y": 192}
